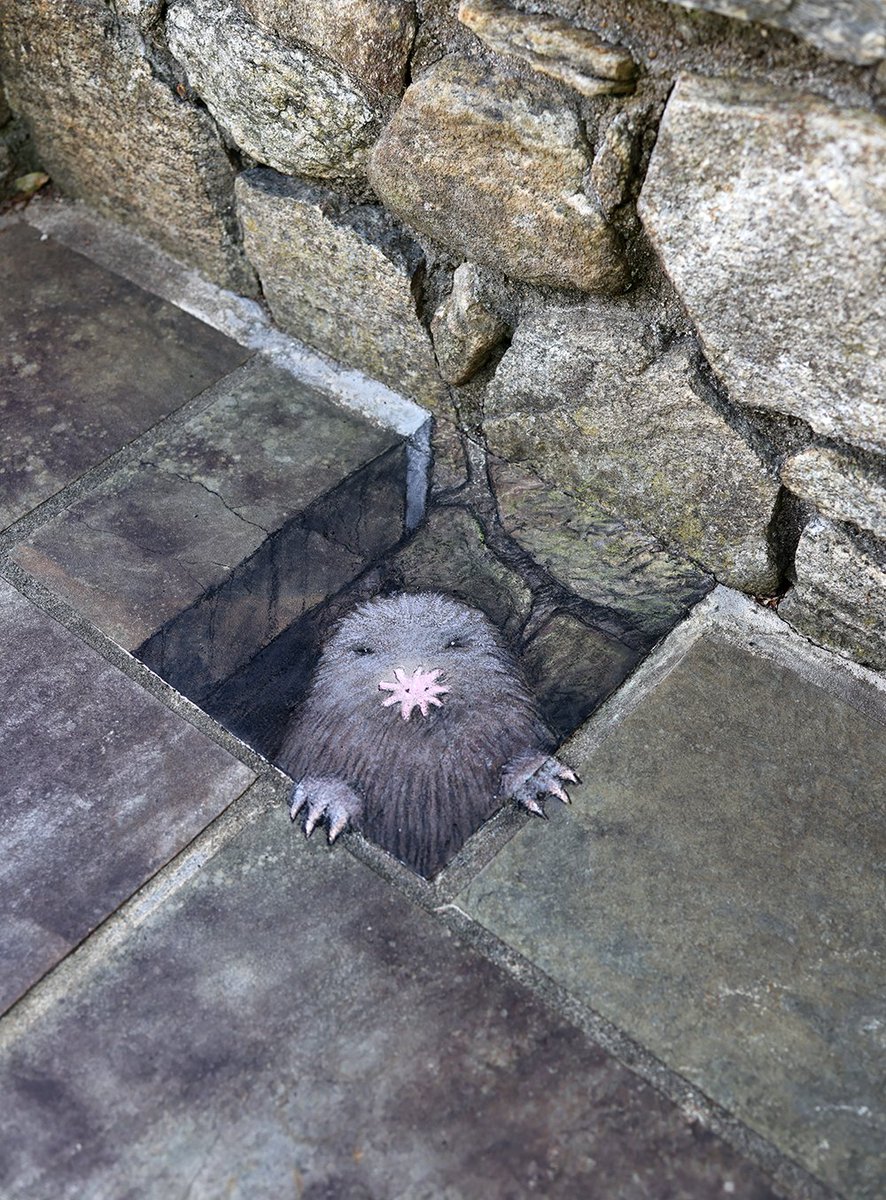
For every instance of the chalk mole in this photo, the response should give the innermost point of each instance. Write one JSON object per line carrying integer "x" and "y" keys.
{"x": 416, "y": 728}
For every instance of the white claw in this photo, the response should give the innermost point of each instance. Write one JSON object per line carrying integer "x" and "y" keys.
{"x": 313, "y": 820}
{"x": 337, "y": 826}
{"x": 534, "y": 807}
{"x": 560, "y": 793}
{"x": 298, "y": 799}
{"x": 568, "y": 774}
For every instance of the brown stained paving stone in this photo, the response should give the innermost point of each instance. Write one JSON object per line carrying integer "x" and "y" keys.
{"x": 87, "y": 362}
{"x": 99, "y": 786}
{"x": 719, "y": 896}
{"x": 287, "y": 1025}
{"x": 215, "y": 499}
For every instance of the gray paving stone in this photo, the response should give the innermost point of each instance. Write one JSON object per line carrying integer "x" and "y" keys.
{"x": 100, "y": 785}
{"x": 229, "y": 528}
{"x": 720, "y": 895}
{"x": 287, "y": 1025}
{"x": 89, "y": 361}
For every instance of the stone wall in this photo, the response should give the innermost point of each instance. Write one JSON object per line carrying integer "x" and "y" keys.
{"x": 633, "y": 249}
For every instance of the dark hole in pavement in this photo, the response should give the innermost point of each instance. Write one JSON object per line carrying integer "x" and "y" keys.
{"x": 568, "y": 667}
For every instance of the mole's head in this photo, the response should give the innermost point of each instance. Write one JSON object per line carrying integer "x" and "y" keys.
{"x": 412, "y": 653}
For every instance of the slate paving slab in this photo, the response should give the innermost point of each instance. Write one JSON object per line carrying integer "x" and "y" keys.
{"x": 87, "y": 362}
{"x": 288, "y": 1025}
{"x": 229, "y": 527}
{"x": 100, "y": 785}
{"x": 720, "y": 897}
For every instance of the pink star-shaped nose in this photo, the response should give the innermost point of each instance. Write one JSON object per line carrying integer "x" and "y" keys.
{"x": 417, "y": 690}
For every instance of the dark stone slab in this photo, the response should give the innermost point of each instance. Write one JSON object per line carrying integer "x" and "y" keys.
{"x": 100, "y": 785}
{"x": 259, "y": 507}
{"x": 287, "y": 1025}
{"x": 720, "y": 894}
{"x": 87, "y": 362}
{"x": 572, "y": 668}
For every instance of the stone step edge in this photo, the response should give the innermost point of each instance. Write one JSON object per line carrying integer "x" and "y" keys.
{"x": 144, "y": 264}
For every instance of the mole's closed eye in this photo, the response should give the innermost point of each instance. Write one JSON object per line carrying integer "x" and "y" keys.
{"x": 457, "y": 643}
{"x": 361, "y": 649}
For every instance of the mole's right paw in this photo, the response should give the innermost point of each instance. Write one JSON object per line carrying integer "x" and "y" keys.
{"x": 530, "y": 779}
{"x": 325, "y": 797}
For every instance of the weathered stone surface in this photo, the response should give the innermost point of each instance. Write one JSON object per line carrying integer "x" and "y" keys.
{"x": 5, "y": 111}
{"x": 716, "y": 875}
{"x": 340, "y": 278}
{"x": 572, "y": 668}
{"x": 464, "y": 330}
{"x": 853, "y": 30}
{"x": 449, "y": 459}
{"x": 100, "y": 785}
{"x": 371, "y": 39}
{"x": 493, "y": 167}
{"x": 283, "y": 104}
{"x": 838, "y": 487}
{"x": 111, "y": 134}
{"x": 287, "y": 1024}
{"x": 615, "y": 161}
{"x": 597, "y": 555}
{"x": 839, "y": 598}
{"x": 229, "y": 529}
{"x": 80, "y": 380}
{"x": 448, "y": 555}
{"x": 553, "y": 47}
{"x": 584, "y": 398}
{"x": 768, "y": 210}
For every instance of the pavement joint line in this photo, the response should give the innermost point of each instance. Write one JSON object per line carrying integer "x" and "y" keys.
{"x": 245, "y": 321}
{"x": 791, "y": 1179}
{"x": 116, "y": 929}
{"x": 128, "y": 455}
{"x": 135, "y": 670}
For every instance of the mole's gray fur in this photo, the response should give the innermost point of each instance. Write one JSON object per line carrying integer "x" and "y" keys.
{"x": 421, "y": 786}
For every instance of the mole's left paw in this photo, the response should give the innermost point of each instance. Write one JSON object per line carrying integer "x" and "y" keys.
{"x": 530, "y": 779}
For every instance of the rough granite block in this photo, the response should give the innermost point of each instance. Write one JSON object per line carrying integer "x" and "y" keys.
{"x": 100, "y": 785}
{"x": 227, "y": 530}
{"x": 766, "y": 207}
{"x": 288, "y": 1025}
{"x": 90, "y": 361}
{"x": 112, "y": 131}
{"x": 719, "y": 895}
{"x": 343, "y": 277}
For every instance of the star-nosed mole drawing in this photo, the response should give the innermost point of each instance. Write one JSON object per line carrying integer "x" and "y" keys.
{"x": 416, "y": 729}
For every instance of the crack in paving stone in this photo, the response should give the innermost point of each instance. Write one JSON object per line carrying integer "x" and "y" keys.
{"x": 166, "y": 470}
